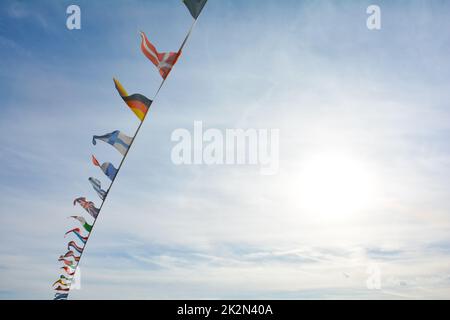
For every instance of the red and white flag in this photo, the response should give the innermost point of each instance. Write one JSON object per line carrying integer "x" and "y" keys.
{"x": 163, "y": 61}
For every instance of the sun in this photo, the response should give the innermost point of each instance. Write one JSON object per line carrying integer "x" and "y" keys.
{"x": 335, "y": 185}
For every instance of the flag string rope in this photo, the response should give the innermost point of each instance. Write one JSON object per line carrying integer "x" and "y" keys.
{"x": 122, "y": 161}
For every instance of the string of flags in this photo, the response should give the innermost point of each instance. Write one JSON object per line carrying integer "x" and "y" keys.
{"x": 139, "y": 104}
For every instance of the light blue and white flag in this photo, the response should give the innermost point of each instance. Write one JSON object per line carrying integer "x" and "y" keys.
{"x": 117, "y": 139}
{"x": 97, "y": 185}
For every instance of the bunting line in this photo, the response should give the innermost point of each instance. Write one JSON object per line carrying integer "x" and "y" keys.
{"x": 70, "y": 268}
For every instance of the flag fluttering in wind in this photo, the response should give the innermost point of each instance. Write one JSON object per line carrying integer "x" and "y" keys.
{"x": 72, "y": 244}
{"x": 62, "y": 277}
{"x": 138, "y": 103}
{"x": 68, "y": 263}
{"x": 75, "y": 259}
{"x": 140, "y": 106}
{"x": 70, "y": 254}
{"x": 62, "y": 289}
{"x": 83, "y": 222}
{"x": 195, "y": 7}
{"x": 60, "y": 282}
{"x": 61, "y": 296}
{"x": 108, "y": 169}
{"x": 97, "y": 185}
{"x": 77, "y": 232}
{"x": 87, "y": 205}
{"x": 68, "y": 270}
{"x": 117, "y": 139}
{"x": 163, "y": 61}
{"x": 63, "y": 280}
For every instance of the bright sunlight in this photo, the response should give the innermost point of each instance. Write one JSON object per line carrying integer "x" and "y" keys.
{"x": 335, "y": 185}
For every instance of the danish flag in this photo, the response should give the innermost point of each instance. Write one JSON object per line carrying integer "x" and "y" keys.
{"x": 163, "y": 61}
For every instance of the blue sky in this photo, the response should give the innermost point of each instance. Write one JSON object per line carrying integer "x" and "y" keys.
{"x": 377, "y": 99}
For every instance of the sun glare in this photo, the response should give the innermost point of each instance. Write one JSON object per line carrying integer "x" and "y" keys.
{"x": 335, "y": 185}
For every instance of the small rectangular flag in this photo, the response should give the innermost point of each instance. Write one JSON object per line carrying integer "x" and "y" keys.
{"x": 97, "y": 185}
{"x": 117, "y": 139}
{"x": 108, "y": 169}
{"x": 195, "y": 7}
{"x": 138, "y": 103}
{"x": 163, "y": 61}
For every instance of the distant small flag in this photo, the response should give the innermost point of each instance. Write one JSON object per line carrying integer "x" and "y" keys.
{"x": 117, "y": 139}
{"x": 77, "y": 232}
{"x": 97, "y": 185}
{"x": 60, "y": 282}
{"x": 62, "y": 277}
{"x": 67, "y": 254}
{"x": 195, "y": 7}
{"x": 72, "y": 244}
{"x": 163, "y": 61}
{"x": 59, "y": 288}
{"x": 67, "y": 262}
{"x": 88, "y": 206}
{"x": 61, "y": 296}
{"x": 138, "y": 103}
{"x": 70, "y": 254}
{"x": 69, "y": 271}
{"x": 83, "y": 222}
{"x": 108, "y": 169}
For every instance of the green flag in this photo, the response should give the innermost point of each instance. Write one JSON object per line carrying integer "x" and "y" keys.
{"x": 195, "y": 7}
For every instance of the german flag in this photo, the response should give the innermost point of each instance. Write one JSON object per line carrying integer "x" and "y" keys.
{"x": 138, "y": 103}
